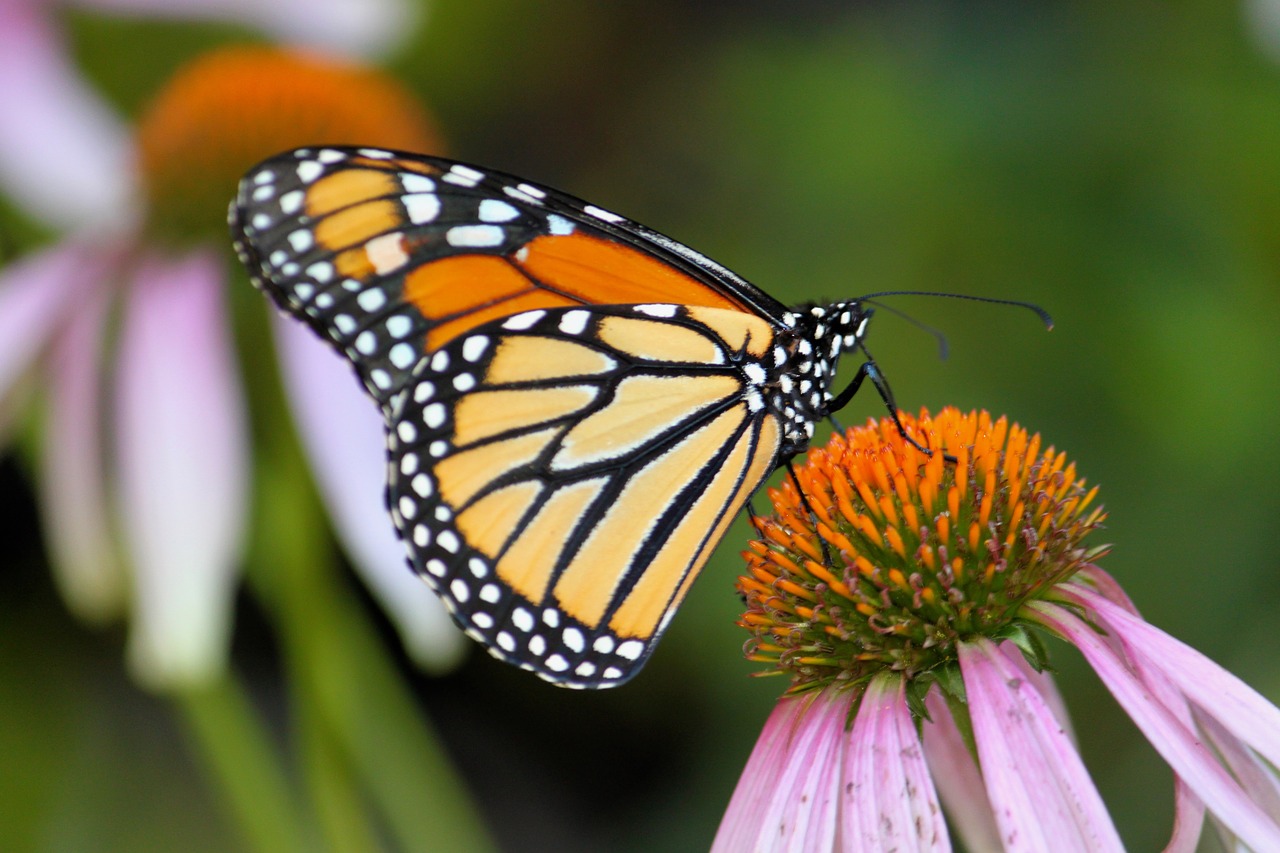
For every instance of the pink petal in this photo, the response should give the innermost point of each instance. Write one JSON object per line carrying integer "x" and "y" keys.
{"x": 342, "y": 432}
{"x": 960, "y": 786}
{"x": 1177, "y": 744}
{"x": 361, "y": 27}
{"x": 36, "y": 294}
{"x": 73, "y": 497}
{"x": 183, "y": 467}
{"x": 63, "y": 155}
{"x": 797, "y": 747}
{"x": 1044, "y": 684}
{"x": 1042, "y": 794}
{"x": 1240, "y": 708}
{"x": 888, "y": 801}
{"x": 1189, "y": 811}
{"x": 1258, "y": 780}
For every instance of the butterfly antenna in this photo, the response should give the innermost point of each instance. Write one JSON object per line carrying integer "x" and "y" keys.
{"x": 1016, "y": 303}
{"x": 943, "y": 347}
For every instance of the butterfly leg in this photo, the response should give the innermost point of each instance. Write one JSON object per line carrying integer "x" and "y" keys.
{"x": 869, "y": 370}
{"x": 827, "y": 559}
{"x": 754, "y": 517}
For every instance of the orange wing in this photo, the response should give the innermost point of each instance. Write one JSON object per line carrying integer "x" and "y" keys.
{"x": 390, "y": 256}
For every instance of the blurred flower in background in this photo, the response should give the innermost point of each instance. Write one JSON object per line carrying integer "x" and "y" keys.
{"x": 125, "y": 322}
{"x": 917, "y": 573}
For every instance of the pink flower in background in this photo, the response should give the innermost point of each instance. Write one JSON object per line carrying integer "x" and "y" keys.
{"x": 913, "y": 599}
{"x": 145, "y": 456}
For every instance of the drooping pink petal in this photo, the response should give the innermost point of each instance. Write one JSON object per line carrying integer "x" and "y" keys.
{"x": 958, "y": 781}
{"x": 1258, "y": 780}
{"x": 342, "y": 433}
{"x": 1189, "y": 810}
{"x": 1236, "y": 705}
{"x": 887, "y": 799}
{"x": 36, "y": 294}
{"x": 1041, "y": 793}
{"x": 73, "y": 499}
{"x": 63, "y": 154}
{"x": 1176, "y": 743}
{"x": 183, "y": 460}
{"x": 360, "y": 27}
{"x": 797, "y": 742}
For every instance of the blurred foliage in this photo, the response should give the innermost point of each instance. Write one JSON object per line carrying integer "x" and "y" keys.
{"x": 1117, "y": 163}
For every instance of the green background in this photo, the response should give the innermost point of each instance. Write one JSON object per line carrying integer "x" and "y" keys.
{"x": 1116, "y": 163}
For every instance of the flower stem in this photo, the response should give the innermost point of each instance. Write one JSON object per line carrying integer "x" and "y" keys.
{"x": 243, "y": 763}
{"x": 355, "y": 713}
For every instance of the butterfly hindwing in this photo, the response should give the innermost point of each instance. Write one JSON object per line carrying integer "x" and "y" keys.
{"x": 389, "y": 256}
{"x": 561, "y": 475}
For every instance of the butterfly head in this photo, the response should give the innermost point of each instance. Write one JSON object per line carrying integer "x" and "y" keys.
{"x": 815, "y": 337}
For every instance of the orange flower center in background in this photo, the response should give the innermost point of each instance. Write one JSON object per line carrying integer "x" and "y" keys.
{"x": 920, "y": 552}
{"x": 231, "y": 108}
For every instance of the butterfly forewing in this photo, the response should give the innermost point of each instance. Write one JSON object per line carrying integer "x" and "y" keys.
{"x": 390, "y": 256}
{"x": 561, "y": 475}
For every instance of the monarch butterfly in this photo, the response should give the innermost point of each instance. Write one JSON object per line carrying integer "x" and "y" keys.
{"x": 576, "y": 405}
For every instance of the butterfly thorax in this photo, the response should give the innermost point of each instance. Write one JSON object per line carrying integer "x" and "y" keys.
{"x": 807, "y": 353}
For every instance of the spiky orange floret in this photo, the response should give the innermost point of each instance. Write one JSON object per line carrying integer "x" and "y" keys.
{"x": 906, "y": 552}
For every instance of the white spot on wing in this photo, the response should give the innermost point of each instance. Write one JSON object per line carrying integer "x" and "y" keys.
{"x": 433, "y": 415}
{"x": 402, "y": 355}
{"x": 372, "y": 299}
{"x": 417, "y": 183}
{"x": 291, "y": 202}
{"x": 496, "y": 210}
{"x": 463, "y": 176}
{"x": 574, "y": 322}
{"x": 631, "y": 649}
{"x": 459, "y": 590}
{"x": 399, "y": 325}
{"x": 386, "y": 252}
{"x": 474, "y": 236}
{"x": 657, "y": 310}
{"x": 309, "y": 170}
{"x": 300, "y": 240}
{"x": 421, "y": 207}
{"x": 558, "y": 225}
{"x": 526, "y": 320}
{"x": 601, "y": 213}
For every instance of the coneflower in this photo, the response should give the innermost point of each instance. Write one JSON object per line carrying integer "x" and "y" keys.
{"x": 904, "y": 597}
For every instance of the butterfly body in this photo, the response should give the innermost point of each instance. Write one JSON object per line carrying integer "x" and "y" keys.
{"x": 576, "y": 406}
